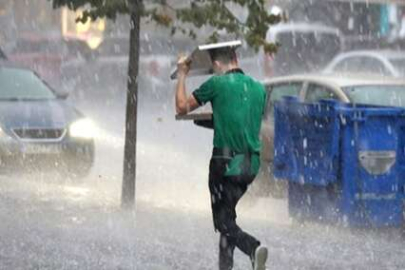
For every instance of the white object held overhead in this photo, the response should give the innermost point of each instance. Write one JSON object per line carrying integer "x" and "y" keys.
{"x": 200, "y": 58}
{"x": 230, "y": 44}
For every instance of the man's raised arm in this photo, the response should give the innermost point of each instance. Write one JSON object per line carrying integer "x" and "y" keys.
{"x": 184, "y": 104}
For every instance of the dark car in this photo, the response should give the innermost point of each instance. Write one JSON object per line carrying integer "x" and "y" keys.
{"x": 39, "y": 128}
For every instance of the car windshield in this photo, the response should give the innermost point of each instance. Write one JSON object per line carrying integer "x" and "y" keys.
{"x": 399, "y": 65}
{"x": 21, "y": 84}
{"x": 303, "y": 49}
{"x": 382, "y": 95}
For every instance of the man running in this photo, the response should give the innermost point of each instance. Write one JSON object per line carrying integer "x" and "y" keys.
{"x": 238, "y": 103}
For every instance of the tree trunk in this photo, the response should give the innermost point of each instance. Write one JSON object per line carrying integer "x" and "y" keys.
{"x": 129, "y": 176}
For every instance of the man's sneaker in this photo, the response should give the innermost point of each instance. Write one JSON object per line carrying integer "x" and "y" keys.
{"x": 260, "y": 259}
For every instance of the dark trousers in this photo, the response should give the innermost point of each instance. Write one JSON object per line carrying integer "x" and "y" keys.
{"x": 225, "y": 194}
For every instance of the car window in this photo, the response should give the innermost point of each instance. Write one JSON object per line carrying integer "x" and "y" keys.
{"x": 399, "y": 65}
{"x": 277, "y": 92}
{"x": 16, "y": 84}
{"x": 362, "y": 64}
{"x": 304, "y": 51}
{"x": 373, "y": 65}
{"x": 351, "y": 64}
{"x": 318, "y": 92}
{"x": 381, "y": 95}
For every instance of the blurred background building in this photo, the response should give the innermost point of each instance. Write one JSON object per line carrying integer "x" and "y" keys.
{"x": 53, "y": 44}
{"x": 363, "y": 20}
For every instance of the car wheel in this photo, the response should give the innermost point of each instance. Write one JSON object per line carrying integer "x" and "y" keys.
{"x": 78, "y": 165}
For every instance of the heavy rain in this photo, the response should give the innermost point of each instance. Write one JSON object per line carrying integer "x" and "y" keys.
{"x": 63, "y": 97}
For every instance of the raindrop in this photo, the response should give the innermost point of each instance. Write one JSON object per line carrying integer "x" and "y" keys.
{"x": 301, "y": 180}
{"x": 343, "y": 120}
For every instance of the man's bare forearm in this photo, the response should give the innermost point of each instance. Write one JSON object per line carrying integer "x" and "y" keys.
{"x": 181, "y": 96}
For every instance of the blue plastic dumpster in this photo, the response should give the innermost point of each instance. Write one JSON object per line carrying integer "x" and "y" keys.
{"x": 344, "y": 163}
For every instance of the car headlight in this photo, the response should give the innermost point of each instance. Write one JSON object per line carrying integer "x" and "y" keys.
{"x": 83, "y": 128}
{"x": 3, "y": 134}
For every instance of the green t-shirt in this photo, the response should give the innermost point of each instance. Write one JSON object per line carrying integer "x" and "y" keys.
{"x": 238, "y": 103}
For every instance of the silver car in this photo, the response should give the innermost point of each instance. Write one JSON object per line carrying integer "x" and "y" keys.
{"x": 382, "y": 62}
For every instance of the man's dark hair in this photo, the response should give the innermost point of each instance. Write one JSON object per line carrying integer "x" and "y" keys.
{"x": 223, "y": 55}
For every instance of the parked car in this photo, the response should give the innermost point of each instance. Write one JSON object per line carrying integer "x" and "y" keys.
{"x": 39, "y": 128}
{"x": 312, "y": 88}
{"x": 108, "y": 68}
{"x": 305, "y": 47}
{"x": 382, "y": 62}
{"x": 46, "y": 53}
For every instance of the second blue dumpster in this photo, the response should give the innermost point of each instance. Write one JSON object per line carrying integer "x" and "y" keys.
{"x": 344, "y": 163}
